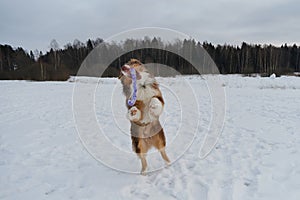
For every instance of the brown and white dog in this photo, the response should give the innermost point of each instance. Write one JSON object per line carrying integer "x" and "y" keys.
{"x": 146, "y": 130}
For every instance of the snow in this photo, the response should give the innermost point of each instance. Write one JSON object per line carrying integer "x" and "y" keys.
{"x": 256, "y": 157}
{"x": 272, "y": 76}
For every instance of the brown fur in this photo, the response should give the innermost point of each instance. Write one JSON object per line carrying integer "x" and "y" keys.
{"x": 149, "y": 134}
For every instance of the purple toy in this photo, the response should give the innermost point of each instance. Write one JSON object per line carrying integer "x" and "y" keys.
{"x": 132, "y": 101}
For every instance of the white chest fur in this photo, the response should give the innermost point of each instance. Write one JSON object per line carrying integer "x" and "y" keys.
{"x": 145, "y": 92}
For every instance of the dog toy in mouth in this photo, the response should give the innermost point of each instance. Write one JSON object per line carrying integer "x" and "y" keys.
{"x": 132, "y": 101}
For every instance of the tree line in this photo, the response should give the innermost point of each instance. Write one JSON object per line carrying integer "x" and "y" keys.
{"x": 61, "y": 63}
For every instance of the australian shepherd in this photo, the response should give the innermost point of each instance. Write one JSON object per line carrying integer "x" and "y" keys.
{"x": 146, "y": 130}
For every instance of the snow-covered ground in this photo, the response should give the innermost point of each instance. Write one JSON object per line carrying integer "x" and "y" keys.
{"x": 256, "y": 157}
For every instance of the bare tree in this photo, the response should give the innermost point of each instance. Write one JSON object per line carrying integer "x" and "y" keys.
{"x": 39, "y": 55}
{"x": 36, "y": 54}
{"x": 55, "y": 47}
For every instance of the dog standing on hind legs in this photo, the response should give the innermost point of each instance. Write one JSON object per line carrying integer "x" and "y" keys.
{"x": 145, "y": 104}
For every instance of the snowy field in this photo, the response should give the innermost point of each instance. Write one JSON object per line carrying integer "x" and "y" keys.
{"x": 256, "y": 157}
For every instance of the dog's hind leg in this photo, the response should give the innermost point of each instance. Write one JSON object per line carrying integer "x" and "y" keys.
{"x": 164, "y": 155}
{"x": 144, "y": 163}
{"x": 160, "y": 143}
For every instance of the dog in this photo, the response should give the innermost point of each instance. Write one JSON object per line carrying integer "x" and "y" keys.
{"x": 146, "y": 130}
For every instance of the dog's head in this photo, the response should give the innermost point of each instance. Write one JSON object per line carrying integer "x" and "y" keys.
{"x": 133, "y": 63}
{"x": 142, "y": 76}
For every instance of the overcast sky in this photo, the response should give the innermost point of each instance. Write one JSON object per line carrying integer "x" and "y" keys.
{"x": 32, "y": 24}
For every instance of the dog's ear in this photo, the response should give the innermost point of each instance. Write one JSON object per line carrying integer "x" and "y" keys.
{"x": 134, "y": 61}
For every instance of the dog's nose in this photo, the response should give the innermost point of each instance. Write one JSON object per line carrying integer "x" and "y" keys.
{"x": 125, "y": 68}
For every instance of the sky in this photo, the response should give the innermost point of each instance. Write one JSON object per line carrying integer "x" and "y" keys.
{"x": 32, "y": 24}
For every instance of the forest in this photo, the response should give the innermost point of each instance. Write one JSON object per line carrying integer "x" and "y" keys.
{"x": 61, "y": 63}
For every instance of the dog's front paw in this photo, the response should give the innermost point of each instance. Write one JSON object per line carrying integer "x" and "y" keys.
{"x": 134, "y": 114}
{"x": 156, "y": 107}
